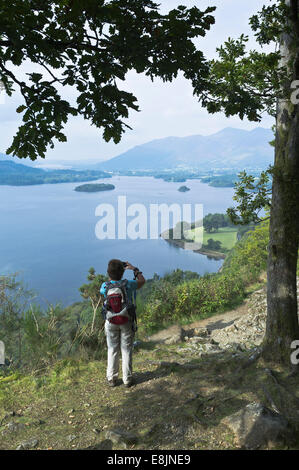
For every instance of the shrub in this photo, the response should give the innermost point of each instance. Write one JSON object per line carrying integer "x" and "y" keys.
{"x": 171, "y": 302}
{"x": 249, "y": 256}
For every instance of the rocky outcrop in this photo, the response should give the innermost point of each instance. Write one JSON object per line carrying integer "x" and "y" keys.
{"x": 248, "y": 331}
{"x": 238, "y": 333}
{"x": 122, "y": 438}
{"x": 256, "y": 426}
{"x": 173, "y": 335}
{"x": 29, "y": 444}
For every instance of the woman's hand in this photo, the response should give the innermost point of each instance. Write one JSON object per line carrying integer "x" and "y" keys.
{"x": 130, "y": 266}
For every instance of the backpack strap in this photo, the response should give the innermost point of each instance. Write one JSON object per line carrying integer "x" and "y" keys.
{"x": 123, "y": 286}
{"x": 108, "y": 285}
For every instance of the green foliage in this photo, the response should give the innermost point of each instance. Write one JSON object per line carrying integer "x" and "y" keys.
{"x": 269, "y": 23}
{"x": 170, "y": 302}
{"x": 249, "y": 257}
{"x": 214, "y": 244}
{"x": 14, "y": 300}
{"x": 64, "y": 372}
{"x": 252, "y": 195}
{"x": 172, "y": 278}
{"x": 248, "y": 82}
{"x": 91, "y": 290}
{"x": 243, "y": 83}
{"x": 59, "y": 333}
{"x": 196, "y": 298}
{"x": 91, "y": 46}
{"x": 43, "y": 335}
{"x": 209, "y": 294}
{"x": 91, "y": 336}
{"x": 212, "y": 222}
{"x": 36, "y": 338}
{"x": 220, "y": 181}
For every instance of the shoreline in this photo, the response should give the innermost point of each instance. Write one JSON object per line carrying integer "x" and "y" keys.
{"x": 180, "y": 244}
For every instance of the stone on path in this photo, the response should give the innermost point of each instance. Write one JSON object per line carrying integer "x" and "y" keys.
{"x": 256, "y": 426}
{"x": 29, "y": 444}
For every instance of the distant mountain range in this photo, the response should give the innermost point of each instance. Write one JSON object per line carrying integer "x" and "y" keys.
{"x": 230, "y": 149}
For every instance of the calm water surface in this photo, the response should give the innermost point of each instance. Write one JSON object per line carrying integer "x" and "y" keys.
{"x": 48, "y": 233}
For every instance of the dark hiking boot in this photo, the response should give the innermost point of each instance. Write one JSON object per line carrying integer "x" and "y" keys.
{"x": 112, "y": 383}
{"x": 129, "y": 383}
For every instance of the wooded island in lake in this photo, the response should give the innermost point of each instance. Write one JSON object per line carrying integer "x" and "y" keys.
{"x": 94, "y": 188}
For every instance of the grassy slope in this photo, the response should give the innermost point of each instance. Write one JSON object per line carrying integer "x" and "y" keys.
{"x": 171, "y": 407}
{"x": 226, "y": 235}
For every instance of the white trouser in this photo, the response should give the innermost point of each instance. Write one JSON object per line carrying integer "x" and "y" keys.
{"x": 119, "y": 338}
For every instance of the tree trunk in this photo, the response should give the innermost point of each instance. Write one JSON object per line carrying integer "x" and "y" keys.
{"x": 282, "y": 319}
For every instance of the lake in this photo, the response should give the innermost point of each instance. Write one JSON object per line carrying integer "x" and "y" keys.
{"x": 48, "y": 233}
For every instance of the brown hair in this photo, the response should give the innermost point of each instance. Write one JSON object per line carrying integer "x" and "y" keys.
{"x": 115, "y": 269}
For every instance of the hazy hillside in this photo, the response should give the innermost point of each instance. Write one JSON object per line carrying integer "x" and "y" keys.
{"x": 10, "y": 168}
{"x": 16, "y": 174}
{"x": 10, "y": 158}
{"x": 227, "y": 149}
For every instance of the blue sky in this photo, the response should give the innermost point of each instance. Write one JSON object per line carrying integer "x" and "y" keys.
{"x": 166, "y": 109}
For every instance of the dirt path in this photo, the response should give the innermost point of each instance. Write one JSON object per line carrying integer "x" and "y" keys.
{"x": 222, "y": 320}
{"x": 216, "y": 322}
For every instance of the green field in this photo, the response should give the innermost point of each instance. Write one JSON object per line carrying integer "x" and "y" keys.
{"x": 226, "y": 235}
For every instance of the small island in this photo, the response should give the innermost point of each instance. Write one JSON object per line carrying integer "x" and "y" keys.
{"x": 183, "y": 189}
{"x": 94, "y": 188}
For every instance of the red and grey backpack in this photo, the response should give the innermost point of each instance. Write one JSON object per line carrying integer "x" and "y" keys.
{"x": 117, "y": 308}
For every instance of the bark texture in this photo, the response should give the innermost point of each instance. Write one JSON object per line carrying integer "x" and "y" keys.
{"x": 282, "y": 317}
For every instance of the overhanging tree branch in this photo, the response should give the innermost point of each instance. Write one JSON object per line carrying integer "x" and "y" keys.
{"x": 88, "y": 47}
